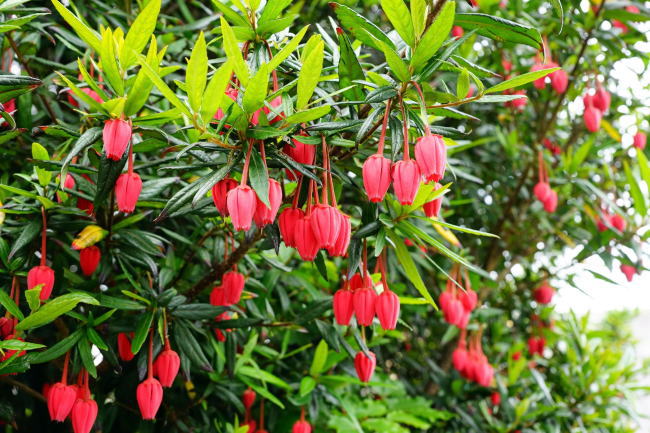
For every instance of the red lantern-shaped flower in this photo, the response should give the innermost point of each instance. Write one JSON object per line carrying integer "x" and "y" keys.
{"x": 544, "y": 294}
{"x": 248, "y": 398}
{"x": 387, "y": 308}
{"x": 618, "y": 222}
{"x": 116, "y": 136}
{"x": 376, "y": 177}
{"x": 325, "y": 223}
{"x": 149, "y": 395}
{"x": 406, "y": 180}
{"x": 629, "y": 271}
{"x": 340, "y": 247}
{"x": 364, "y": 301}
{"x": 550, "y": 205}
{"x": 365, "y": 365}
{"x": 287, "y": 221}
{"x": 127, "y": 191}
{"x": 301, "y": 426}
{"x": 602, "y": 99}
{"x": 166, "y": 367}
{"x": 542, "y": 191}
{"x": 343, "y": 306}
{"x": 219, "y": 297}
{"x": 124, "y": 346}
{"x": 559, "y": 80}
{"x": 41, "y": 275}
{"x": 233, "y": 286}
{"x": 431, "y": 157}
{"x": 84, "y": 414}
{"x": 301, "y": 152}
{"x": 306, "y": 243}
{"x": 242, "y": 202}
{"x": 60, "y": 399}
{"x": 263, "y": 214}
{"x": 220, "y": 194}
{"x": 592, "y": 117}
{"x": 89, "y": 258}
{"x": 639, "y": 140}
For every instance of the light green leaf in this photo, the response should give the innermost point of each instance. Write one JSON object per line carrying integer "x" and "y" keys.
{"x": 109, "y": 63}
{"x": 46, "y": 202}
{"x": 196, "y": 75}
{"x": 33, "y": 296}
{"x": 307, "y": 385}
{"x": 395, "y": 63}
{"x": 231, "y": 47}
{"x": 163, "y": 87}
{"x": 256, "y": 91}
{"x": 139, "y": 33}
{"x": 520, "y": 80}
{"x": 308, "y": 115}
{"x": 399, "y": 16}
{"x": 215, "y": 91}
{"x": 418, "y": 17}
{"x": 282, "y": 55}
{"x": 635, "y": 191}
{"x": 40, "y": 153}
{"x": 10, "y": 305}
{"x": 86, "y": 34}
{"x": 55, "y": 308}
{"x": 500, "y": 29}
{"x": 435, "y": 35}
{"x": 409, "y": 267}
{"x": 312, "y": 65}
{"x": 320, "y": 356}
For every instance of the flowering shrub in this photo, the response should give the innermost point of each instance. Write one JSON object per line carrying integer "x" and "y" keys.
{"x": 206, "y": 206}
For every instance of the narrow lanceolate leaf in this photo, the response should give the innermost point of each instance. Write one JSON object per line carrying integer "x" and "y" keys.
{"x": 141, "y": 88}
{"x": 409, "y": 267}
{"x": 399, "y": 16}
{"x": 109, "y": 62}
{"x": 84, "y": 32}
{"x": 40, "y": 153}
{"x": 196, "y": 75}
{"x": 139, "y": 33}
{"x": 256, "y": 91}
{"x": 214, "y": 92}
{"x": 349, "y": 69}
{"x": 27, "y": 235}
{"x": 635, "y": 191}
{"x": 162, "y": 86}
{"x": 435, "y": 35}
{"x": 289, "y": 48}
{"x": 10, "y": 305}
{"x": 312, "y": 66}
{"x": 259, "y": 177}
{"x": 644, "y": 167}
{"x": 87, "y": 139}
{"x": 141, "y": 331}
{"x": 500, "y": 29}
{"x": 107, "y": 175}
{"x": 58, "y": 350}
{"x": 308, "y": 115}
{"x": 364, "y": 30}
{"x": 418, "y": 16}
{"x": 82, "y": 95}
{"x": 395, "y": 63}
{"x": 55, "y": 308}
{"x": 233, "y": 52}
{"x": 520, "y": 80}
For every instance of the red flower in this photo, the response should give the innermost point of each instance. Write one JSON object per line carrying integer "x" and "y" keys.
{"x": 287, "y": 222}
{"x": 457, "y": 32}
{"x": 7, "y": 325}
{"x": 431, "y": 157}
{"x": 459, "y": 357}
{"x": 387, "y": 307}
{"x": 406, "y": 180}
{"x": 559, "y": 80}
{"x": 116, "y": 136}
{"x": 124, "y": 346}
{"x": 276, "y": 103}
{"x": 306, "y": 242}
{"x": 166, "y": 367}
{"x": 340, "y": 247}
{"x": 84, "y": 414}
{"x": 364, "y": 301}
{"x": 618, "y": 222}
{"x": 592, "y": 117}
{"x": 453, "y": 312}
{"x": 241, "y": 206}
{"x": 432, "y": 208}
{"x": 544, "y": 294}
{"x": 365, "y": 365}
{"x": 89, "y": 258}
{"x": 325, "y": 223}
{"x": 263, "y": 214}
{"x": 602, "y": 99}
{"x": 551, "y": 202}
{"x": 127, "y": 191}
{"x": 60, "y": 399}
{"x": 628, "y": 271}
{"x": 301, "y": 426}
{"x": 376, "y": 177}
{"x": 220, "y": 194}
{"x": 149, "y": 395}
{"x": 301, "y": 152}
{"x": 542, "y": 191}
{"x": 218, "y": 297}
{"x": 233, "y": 285}
{"x": 640, "y": 140}
{"x": 469, "y": 299}
{"x": 496, "y": 398}
{"x": 41, "y": 275}
{"x": 248, "y": 398}
{"x": 343, "y": 306}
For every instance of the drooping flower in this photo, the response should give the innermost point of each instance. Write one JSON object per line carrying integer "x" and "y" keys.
{"x": 149, "y": 395}
{"x": 218, "y": 297}
{"x": 305, "y": 240}
{"x": 127, "y": 191}
{"x": 124, "y": 346}
{"x": 84, "y": 414}
{"x": 89, "y": 258}
{"x": 618, "y": 222}
{"x": 116, "y": 136}
{"x": 41, "y": 275}
{"x": 432, "y": 208}
{"x": 266, "y": 215}
{"x": 602, "y": 99}
{"x": 242, "y": 202}
{"x": 469, "y": 299}
{"x": 60, "y": 399}
{"x": 559, "y": 80}
{"x": 340, "y": 247}
{"x": 629, "y": 271}
{"x": 365, "y": 365}
{"x": 364, "y": 305}
{"x": 220, "y": 194}
{"x": 287, "y": 222}
{"x": 233, "y": 286}
{"x": 406, "y": 180}
{"x": 300, "y": 152}
{"x": 387, "y": 307}
{"x": 542, "y": 191}
{"x": 640, "y": 140}
{"x": 550, "y": 204}
{"x": 431, "y": 156}
{"x": 376, "y": 177}
{"x": 343, "y": 306}
{"x": 544, "y": 294}
{"x": 248, "y": 398}
{"x": 495, "y": 398}
{"x": 166, "y": 367}
{"x": 457, "y": 32}
{"x": 326, "y": 224}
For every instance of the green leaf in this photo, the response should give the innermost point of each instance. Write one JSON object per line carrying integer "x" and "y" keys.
{"x": 500, "y": 29}
{"x": 409, "y": 267}
{"x": 256, "y": 91}
{"x": 259, "y": 177}
{"x": 320, "y": 356}
{"x": 107, "y": 175}
{"x": 163, "y": 87}
{"x": 196, "y": 74}
{"x": 139, "y": 33}
{"x": 233, "y": 52}
{"x": 434, "y": 37}
{"x": 189, "y": 347}
{"x": 312, "y": 66}
{"x": 644, "y": 168}
{"x": 83, "y": 348}
{"x": 286, "y": 51}
{"x": 395, "y": 63}
{"x": 214, "y": 92}
{"x": 58, "y": 350}
{"x": 18, "y": 345}
{"x": 55, "y": 308}
{"x": 86, "y": 34}
{"x": 109, "y": 63}
{"x": 399, "y": 16}
{"x": 418, "y": 16}
{"x": 307, "y": 385}
{"x": 82, "y": 95}
{"x": 88, "y": 138}
{"x": 10, "y": 305}
{"x": 139, "y": 92}
{"x": 198, "y": 311}
{"x": 33, "y": 296}
{"x": 520, "y": 80}
{"x": 308, "y": 115}
{"x": 46, "y": 202}
{"x": 141, "y": 331}
{"x": 349, "y": 69}
{"x": 40, "y": 153}
{"x": 462, "y": 85}
{"x": 635, "y": 191}
{"x": 559, "y": 10}
{"x": 363, "y": 29}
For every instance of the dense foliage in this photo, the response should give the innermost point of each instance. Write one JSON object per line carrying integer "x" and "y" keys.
{"x": 203, "y": 186}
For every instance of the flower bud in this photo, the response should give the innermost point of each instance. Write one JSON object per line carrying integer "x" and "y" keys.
{"x": 60, "y": 399}
{"x": 124, "y": 346}
{"x": 387, "y": 307}
{"x": 340, "y": 247}
{"x": 242, "y": 201}
{"x": 592, "y": 117}
{"x": 406, "y": 181}
{"x": 149, "y": 395}
{"x": 431, "y": 157}
{"x": 325, "y": 223}
{"x": 376, "y": 177}
{"x": 166, "y": 367}
{"x": 343, "y": 306}
{"x": 219, "y": 297}
{"x": 41, "y": 275}
{"x": 84, "y": 414}
{"x": 306, "y": 242}
{"x": 233, "y": 286}
{"x": 127, "y": 191}
{"x": 618, "y": 222}
{"x": 365, "y": 365}
{"x": 220, "y": 194}
{"x": 640, "y": 140}
{"x": 628, "y": 271}
{"x": 544, "y": 294}
{"x": 116, "y": 136}
{"x": 248, "y": 398}
{"x": 559, "y": 81}
{"x": 364, "y": 301}
{"x": 263, "y": 214}
{"x": 287, "y": 222}
{"x": 89, "y": 258}
{"x": 542, "y": 191}
{"x": 301, "y": 426}
{"x": 550, "y": 205}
